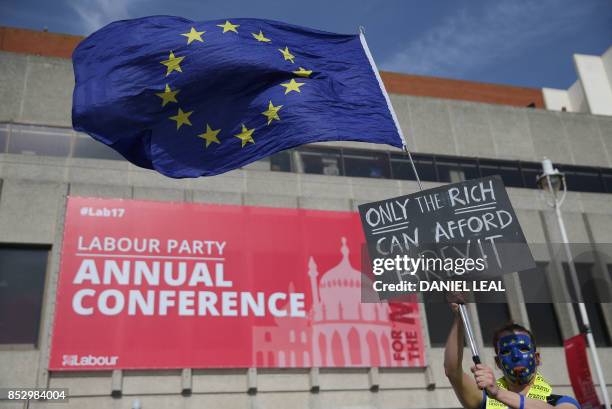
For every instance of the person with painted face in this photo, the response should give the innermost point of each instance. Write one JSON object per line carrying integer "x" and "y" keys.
{"x": 521, "y": 387}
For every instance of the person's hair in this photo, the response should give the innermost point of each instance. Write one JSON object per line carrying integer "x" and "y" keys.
{"x": 511, "y": 327}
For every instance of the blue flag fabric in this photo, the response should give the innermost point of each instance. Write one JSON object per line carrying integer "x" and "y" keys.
{"x": 193, "y": 99}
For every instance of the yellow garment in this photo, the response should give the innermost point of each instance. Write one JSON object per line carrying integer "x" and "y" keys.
{"x": 540, "y": 390}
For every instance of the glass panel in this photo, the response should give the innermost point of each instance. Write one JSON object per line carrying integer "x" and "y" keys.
{"x": 22, "y": 278}
{"x": 582, "y": 179}
{"x": 453, "y": 170}
{"x": 471, "y": 170}
{"x": 587, "y": 282}
{"x": 4, "y": 131}
{"x": 531, "y": 171}
{"x": 439, "y": 317}
{"x": 597, "y": 321}
{"x": 365, "y": 164}
{"x": 542, "y": 316}
{"x": 544, "y": 324}
{"x": 508, "y": 170}
{"x": 607, "y": 178}
{"x": 40, "y": 140}
{"x": 492, "y": 313}
{"x": 534, "y": 284}
{"x": 321, "y": 161}
{"x": 402, "y": 169}
{"x": 281, "y": 161}
{"x": 511, "y": 175}
{"x": 87, "y": 147}
{"x": 450, "y": 172}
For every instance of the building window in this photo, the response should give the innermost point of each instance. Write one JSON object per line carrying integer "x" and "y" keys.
{"x": 367, "y": 164}
{"x": 22, "y": 280}
{"x": 402, "y": 168}
{"x": 544, "y": 325}
{"x": 439, "y": 317}
{"x": 493, "y": 313}
{"x": 607, "y": 179}
{"x": 40, "y": 140}
{"x": 281, "y": 161}
{"x": 588, "y": 285}
{"x": 320, "y": 161}
{"x": 454, "y": 170}
{"x": 331, "y": 161}
{"x": 540, "y": 310}
{"x": 531, "y": 172}
{"x": 582, "y": 178}
{"x": 508, "y": 170}
{"x": 87, "y": 147}
{"x": 4, "y": 132}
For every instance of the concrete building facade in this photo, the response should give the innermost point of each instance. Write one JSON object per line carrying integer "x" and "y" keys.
{"x": 592, "y": 91}
{"x": 43, "y": 161}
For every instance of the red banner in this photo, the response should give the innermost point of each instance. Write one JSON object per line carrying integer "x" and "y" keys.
{"x": 580, "y": 373}
{"x": 173, "y": 285}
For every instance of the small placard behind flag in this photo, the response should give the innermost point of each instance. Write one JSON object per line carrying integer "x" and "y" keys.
{"x": 580, "y": 373}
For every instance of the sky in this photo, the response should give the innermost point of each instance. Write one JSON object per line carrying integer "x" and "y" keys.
{"x": 524, "y": 43}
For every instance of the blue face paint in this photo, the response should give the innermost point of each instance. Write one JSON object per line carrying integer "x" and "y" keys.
{"x": 517, "y": 357}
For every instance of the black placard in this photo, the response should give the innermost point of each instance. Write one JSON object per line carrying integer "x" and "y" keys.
{"x": 472, "y": 219}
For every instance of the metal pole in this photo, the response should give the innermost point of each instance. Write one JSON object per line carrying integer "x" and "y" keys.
{"x": 465, "y": 318}
{"x": 581, "y": 307}
{"x": 416, "y": 174}
{"x": 469, "y": 334}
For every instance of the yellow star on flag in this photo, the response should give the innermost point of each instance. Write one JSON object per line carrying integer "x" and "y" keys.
{"x": 260, "y": 37}
{"x": 181, "y": 118}
{"x": 272, "y": 112}
{"x": 210, "y": 135}
{"x": 173, "y": 63}
{"x": 302, "y": 72}
{"x": 194, "y": 35}
{"x": 246, "y": 135}
{"x": 292, "y": 85}
{"x": 227, "y": 26}
{"x": 287, "y": 55}
{"x": 168, "y": 95}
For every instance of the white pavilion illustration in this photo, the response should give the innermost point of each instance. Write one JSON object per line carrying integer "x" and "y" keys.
{"x": 339, "y": 329}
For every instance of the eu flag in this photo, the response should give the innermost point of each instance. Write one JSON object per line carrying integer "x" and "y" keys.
{"x": 195, "y": 99}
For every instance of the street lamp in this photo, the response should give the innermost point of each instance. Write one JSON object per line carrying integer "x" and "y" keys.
{"x": 552, "y": 182}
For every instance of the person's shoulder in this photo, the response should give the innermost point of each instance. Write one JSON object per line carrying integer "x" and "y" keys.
{"x": 556, "y": 400}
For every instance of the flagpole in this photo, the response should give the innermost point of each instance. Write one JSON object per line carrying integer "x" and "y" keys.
{"x": 465, "y": 318}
